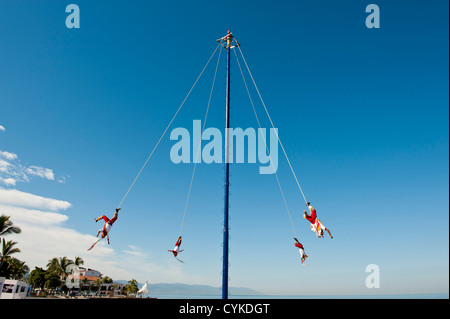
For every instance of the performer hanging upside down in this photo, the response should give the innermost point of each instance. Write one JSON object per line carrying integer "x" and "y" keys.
{"x": 108, "y": 224}
{"x": 303, "y": 256}
{"x": 106, "y": 228}
{"x": 316, "y": 225}
{"x": 177, "y": 250}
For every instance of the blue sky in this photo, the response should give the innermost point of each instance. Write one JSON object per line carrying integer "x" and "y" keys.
{"x": 362, "y": 113}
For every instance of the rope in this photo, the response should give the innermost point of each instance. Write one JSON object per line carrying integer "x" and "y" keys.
{"x": 164, "y": 133}
{"x": 199, "y": 146}
{"x": 267, "y": 112}
{"x": 267, "y": 149}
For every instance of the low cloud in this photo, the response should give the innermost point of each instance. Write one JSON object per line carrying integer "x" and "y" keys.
{"x": 32, "y": 216}
{"x": 44, "y": 234}
{"x": 16, "y": 198}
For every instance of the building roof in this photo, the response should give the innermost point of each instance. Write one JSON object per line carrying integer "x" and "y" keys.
{"x": 90, "y": 278}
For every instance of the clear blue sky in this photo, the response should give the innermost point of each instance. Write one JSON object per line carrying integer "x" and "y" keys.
{"x": 362, "y": 113}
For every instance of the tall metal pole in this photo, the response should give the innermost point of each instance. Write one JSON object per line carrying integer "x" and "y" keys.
{"x": 227, "y": 178}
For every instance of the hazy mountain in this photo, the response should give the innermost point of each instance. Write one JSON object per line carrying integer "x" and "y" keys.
{"x": 185, "y": 289}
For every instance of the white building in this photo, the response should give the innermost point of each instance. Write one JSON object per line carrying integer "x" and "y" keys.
{"x": 111, "y": 289}
{"x": 89, "y": 272}
{"x": 2, "y": 280}
{"x": 14, "y": 289}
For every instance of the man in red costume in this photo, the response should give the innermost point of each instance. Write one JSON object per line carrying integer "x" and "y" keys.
{"x": 108, "y": 224}
{"x": 106, "y": 228}
{"x": 303, "y": 256}
{"x": 316, "y": 225}
{"x": 177, "y": 250}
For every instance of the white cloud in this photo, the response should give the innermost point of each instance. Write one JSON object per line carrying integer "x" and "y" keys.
{"x": 133, "y": 251}
{"x": 4, "y": 166}
{"x": 41, "y": 172}
{"x": 45, "y": 235}
{"x": 8, "y": 155}
{"x": 12, "y": 170}
{"x": 2, "y": 128}
{"x": 32, "y": 216}
{"x": 13, "y": 197}
{"x": 63, "y": 179}
{"x": 8, "y": 181}
{"x": 41, "y": 242}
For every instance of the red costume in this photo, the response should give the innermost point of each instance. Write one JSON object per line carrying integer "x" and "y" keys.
{"x": 312, "y": 217}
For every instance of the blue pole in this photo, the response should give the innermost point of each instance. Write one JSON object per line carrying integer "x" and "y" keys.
{"x": 227, "y": 184}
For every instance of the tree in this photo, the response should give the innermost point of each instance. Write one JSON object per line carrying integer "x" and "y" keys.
{"x": 106, "y": 280}
{"x": 85, "y": 284}
{"x": 132, "y": 286}
{"x": 78, "y": 261}
{"x": 53, "y": 265}
{"x": 52, "y": 280}
{"x": 10, "y": 267}
{"x": 37, "y": 277}
{"x": 8, "y": 248}
{"x": 5, "y": 256}
{"x": 16, "y": 269}
{"x": 59, "y": 265}
{"x": 7, "y": 227}
{"x": 44, "y": 279}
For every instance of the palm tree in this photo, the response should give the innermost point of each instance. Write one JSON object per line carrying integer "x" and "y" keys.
{"x": 64, "y": 262}
{"x": 7, "y": 250}
{"x": 132, "y": 286}
{"x": 17, "y": 269}
{"x": 59, "y": 265}
{"x": 10, "y": 267}
{"x": 97, "y": 284}
{"x": 106, "y": 280}
{"x": 53, "y": 265}
{"x": 7, "y": 227}
{"x": 78, "y": 261}
{"x": 85, "y": 283}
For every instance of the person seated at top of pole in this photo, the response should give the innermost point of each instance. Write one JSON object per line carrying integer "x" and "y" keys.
{"x": 226, "y": 40}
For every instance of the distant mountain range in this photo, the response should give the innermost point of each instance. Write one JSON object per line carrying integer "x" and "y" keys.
{"x": 185, "y": 289}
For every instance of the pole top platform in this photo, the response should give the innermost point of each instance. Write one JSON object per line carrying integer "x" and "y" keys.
{"x": 227, "y": 41}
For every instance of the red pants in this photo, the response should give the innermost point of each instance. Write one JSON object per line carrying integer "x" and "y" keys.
{"x": 312, "y": 218}
{"x": 110, "y": 221}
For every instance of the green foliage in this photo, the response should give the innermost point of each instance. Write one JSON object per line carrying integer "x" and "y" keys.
{"x": 132, "y": 286}
{"x": 7, "y": 227}
{"x": 52, "y": 280}
{"x": 10, "y": 267}
{"x": 37, "y": 277}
